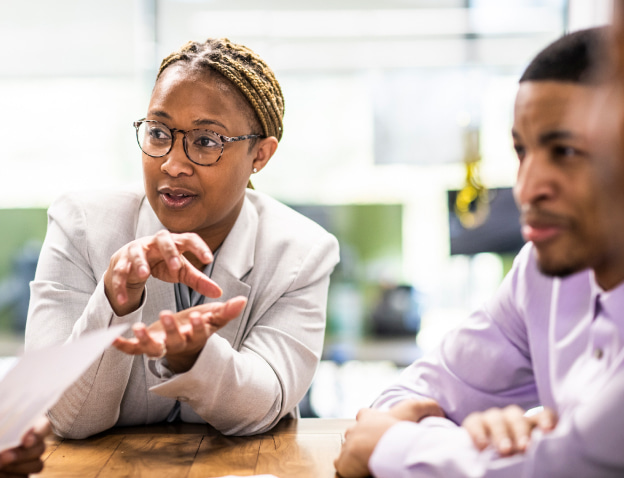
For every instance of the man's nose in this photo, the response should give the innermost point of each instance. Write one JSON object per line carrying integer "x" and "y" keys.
{"x": 535, "y": 181}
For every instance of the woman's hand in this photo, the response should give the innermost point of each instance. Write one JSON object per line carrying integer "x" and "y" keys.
{"x": 181, "y": 336}
{"x": 507, "y": 429}
{"x": 162, "y": 256}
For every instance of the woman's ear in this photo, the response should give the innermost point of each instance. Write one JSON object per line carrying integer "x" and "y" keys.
{"x": 264, "y": 150}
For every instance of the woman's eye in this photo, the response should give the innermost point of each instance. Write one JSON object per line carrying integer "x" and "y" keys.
{"x": 519, "y": 151}
{"x": 158, "y": 134}
{"x": 205, "y": 142}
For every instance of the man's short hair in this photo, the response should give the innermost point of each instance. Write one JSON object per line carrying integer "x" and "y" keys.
{"x": 575, "y": 58}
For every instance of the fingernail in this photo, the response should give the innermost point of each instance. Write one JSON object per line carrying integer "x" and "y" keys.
{"x": 207, "y": 255}
{"x": 8, "y": 457}
{"x": 143, "y": 270}
{"x": 482, "y": 441}
{"x": 174, "y": 262}
{"x": 523, "y": 442}
{"x": 167, "y": 321}
{"x": 504, "y": 446}
{"x": 29, "y": 441}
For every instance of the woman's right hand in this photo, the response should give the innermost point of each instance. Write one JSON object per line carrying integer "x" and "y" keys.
{"x": 161, "y": 256}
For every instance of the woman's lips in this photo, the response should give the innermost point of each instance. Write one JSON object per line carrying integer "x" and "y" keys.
{"x": 176, "y": 198}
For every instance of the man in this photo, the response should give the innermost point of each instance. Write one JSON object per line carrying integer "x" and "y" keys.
{"x": 554, "y": 333}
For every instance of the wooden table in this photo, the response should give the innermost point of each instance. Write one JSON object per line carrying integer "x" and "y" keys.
{"x": 294, "y": 448}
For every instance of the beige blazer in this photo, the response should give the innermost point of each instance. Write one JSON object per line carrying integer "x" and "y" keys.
{"x": 248, "y": 376}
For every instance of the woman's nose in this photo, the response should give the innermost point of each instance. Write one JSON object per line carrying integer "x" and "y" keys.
{"x": 176, "y": 162}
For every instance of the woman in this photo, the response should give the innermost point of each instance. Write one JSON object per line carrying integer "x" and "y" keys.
{"x": 214, "y": 118}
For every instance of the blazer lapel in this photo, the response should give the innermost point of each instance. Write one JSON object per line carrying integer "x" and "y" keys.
{"x": 234, "y": 260}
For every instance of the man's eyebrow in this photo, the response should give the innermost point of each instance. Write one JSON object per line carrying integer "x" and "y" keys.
{"x": 555, "y": 135}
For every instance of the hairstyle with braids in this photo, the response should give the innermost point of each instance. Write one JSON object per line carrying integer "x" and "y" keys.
{"x": 245, "y": 70}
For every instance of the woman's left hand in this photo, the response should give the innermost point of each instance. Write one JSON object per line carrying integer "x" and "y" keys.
{"x": 181, "y": 336}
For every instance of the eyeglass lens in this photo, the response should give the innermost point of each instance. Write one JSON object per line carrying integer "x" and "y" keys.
{"x": 202, "y": 146}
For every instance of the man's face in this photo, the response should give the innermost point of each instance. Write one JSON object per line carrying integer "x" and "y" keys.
{"x": 559, "y": 191}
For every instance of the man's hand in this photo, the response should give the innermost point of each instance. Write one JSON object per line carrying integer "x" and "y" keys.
{"x": 414, "y": 410}
{"x": 182, "y": 335}
{"x": 26, "y": 458}
{"x": 507, "y": 429}
{"x": 361, "y": 440}
{"x": 161, "y": 256}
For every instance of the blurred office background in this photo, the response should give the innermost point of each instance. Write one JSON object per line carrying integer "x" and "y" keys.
{"x": 397, "y": 123}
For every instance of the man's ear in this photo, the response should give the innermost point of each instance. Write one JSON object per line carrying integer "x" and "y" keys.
{"x": 264, "y": 150}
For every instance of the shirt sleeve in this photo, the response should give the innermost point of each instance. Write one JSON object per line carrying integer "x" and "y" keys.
{"x": 484, "y": 363}
{"x": 586, "y": 442}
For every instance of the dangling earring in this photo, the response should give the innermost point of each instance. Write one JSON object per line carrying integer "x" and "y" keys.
{"x": 255, "y": 170}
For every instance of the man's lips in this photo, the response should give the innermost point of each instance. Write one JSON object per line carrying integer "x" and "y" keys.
{"x": 539, "y": 227}
{"x": 540, "y": 234}
{"x": 176, "y": 198}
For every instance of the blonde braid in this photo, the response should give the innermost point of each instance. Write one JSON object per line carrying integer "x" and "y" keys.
{"x": 245, "y": 70}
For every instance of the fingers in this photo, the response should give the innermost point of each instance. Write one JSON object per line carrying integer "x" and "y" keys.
{"x": 220, "y": 314}
{"x": 175, "y": 340}
{"x": 507, "y": 430}
{"x": 37, "y": 433}
{"x": 146, "y": 342}
{"x": 162, "y": 256}
{"x": 199, "y": 281}
{"x": 171, "y": 248}
{"x": 21, "y": 460}
{"x": 416, "y": 409}
{"x": 545, "y": 420}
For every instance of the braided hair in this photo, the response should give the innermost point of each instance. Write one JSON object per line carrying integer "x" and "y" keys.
{"x": 245, "y": 70}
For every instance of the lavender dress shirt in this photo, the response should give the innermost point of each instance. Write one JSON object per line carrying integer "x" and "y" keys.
{"x": 540, "y": 341}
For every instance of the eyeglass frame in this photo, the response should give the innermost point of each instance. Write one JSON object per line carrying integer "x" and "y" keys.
{"x": 224, "y": 139}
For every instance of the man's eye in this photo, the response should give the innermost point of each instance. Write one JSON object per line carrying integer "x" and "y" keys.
{"x": 565, "y": 151}
{"x": 519, "y": 151}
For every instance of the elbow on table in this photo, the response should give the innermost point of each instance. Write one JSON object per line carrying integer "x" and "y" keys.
{"x": 72, "y": 429}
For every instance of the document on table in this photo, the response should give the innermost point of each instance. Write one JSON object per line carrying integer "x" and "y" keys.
{"x": 39, "y": 378}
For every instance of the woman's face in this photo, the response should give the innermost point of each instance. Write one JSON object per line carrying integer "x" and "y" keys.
{"x": 188, "y": 197}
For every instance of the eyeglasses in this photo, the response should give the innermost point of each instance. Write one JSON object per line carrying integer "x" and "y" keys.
{"x": 202, "y": 146}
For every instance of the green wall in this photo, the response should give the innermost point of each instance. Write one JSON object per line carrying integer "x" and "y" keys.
{"x": 19, "y": 229}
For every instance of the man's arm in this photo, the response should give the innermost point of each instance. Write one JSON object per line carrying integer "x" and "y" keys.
{"x": 586, "y": 441}
{"x": 486, "y": 362}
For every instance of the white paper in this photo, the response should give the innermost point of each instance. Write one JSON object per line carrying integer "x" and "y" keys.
{"x": 39, "y": 378}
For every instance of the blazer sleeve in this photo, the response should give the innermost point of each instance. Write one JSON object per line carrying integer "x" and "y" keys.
{"x": 248, "y": 389}
{"x": 67, "y": 300}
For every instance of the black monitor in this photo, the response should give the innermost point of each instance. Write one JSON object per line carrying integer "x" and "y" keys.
{"x": 500, "y": 233}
